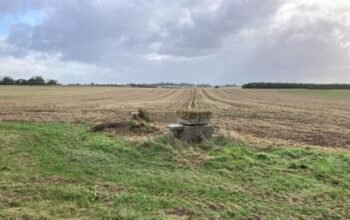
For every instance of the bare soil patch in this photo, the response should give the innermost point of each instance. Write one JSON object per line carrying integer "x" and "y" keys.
{"x": 263, "y": 114}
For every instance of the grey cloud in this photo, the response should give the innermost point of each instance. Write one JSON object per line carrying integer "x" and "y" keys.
{"x": 211, "y": 28}
{"x": 218, "y": 41}
{"x": 86, "y": 31}
{"x": 7, "y": 6}
{"x": 19, "y": 36}
{"x": 308, "y": 49}
{"x": 13, "y": 6}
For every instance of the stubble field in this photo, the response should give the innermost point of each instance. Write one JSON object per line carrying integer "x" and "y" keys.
{"x": 277, "y": 154}
{"x": 263, "y": 117}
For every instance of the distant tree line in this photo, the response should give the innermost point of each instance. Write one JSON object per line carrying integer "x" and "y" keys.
{"x": 35, "y": 80}
{"x": 167, "y": 84}
{"x": 265, "y": 85}
{"x": 147, "y": 85}
{"x": 230, "y": 85}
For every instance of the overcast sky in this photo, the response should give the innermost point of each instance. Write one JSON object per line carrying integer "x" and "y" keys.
{"x": 198, "y": 41}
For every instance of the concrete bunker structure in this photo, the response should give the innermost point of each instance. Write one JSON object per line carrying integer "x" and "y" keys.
{"x": 192, "y": 126}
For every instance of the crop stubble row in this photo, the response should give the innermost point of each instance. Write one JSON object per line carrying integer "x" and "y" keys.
{"x": 268, "y": 116}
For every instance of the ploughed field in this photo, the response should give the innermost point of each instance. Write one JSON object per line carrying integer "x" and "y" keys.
{"x": 262, "y": 117}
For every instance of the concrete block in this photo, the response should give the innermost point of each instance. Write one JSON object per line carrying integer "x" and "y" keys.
{"x": 192, "y": 126}
{"x": 193, "y": 134}
{"x": 176, "y": 127}
{"x": 193, "y": 117}
{"x": 176, "y": 130}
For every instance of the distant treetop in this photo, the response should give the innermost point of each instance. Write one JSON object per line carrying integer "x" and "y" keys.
{"x": 269, "y": 85}
{"x": 35, "y": 80}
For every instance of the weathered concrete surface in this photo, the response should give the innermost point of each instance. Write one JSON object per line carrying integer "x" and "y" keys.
{"x": 176, "y": 130}
{"x": 192, "y": 126}
{"x": 196, "y": 121}
{"x": 176, "y": 127}
{"x": 193, "y": 118}
{"x": 191, "y": 134}
{"x": 195, "y": 134}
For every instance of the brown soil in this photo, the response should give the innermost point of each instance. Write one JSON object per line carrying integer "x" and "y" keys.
{"x": 257, "y": 115}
